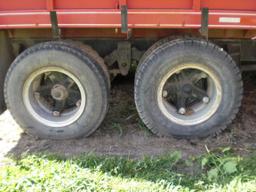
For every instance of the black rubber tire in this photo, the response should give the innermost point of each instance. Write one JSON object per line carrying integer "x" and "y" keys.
{"x": 69, "y": 57}
{"x": 94, "y": 55}
{"x": 166, "y": 57}
{"x": 156, "y": 45}
{"x": 6, "y": 58}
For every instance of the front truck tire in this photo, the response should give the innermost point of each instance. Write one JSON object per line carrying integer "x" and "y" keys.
{"x": 55, "y": 90}
{"x": 188, "y": 89}
{"x": 6, "y": 58}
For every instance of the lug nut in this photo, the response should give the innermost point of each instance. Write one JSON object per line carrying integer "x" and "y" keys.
{"x": 182, "y": 111}
{"x": 204, "y": 76}
{"x": 78, "y": 103}
{"x": 206, "y": 99}
{"x": 165, "y": 93}
{"x": 56, "y": 113}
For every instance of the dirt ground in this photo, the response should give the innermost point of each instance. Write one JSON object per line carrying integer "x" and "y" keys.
{"x": 123, "y": 133}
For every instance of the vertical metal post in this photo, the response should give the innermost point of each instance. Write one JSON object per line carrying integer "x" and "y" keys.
{"x": 204, "y": 22}
{"x": 55, "y": 26}
{"x": 124, "y": 19}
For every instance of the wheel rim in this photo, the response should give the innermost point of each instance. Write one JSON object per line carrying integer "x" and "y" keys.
{"x": 189, "y": 94}
{"x": 54, "y": 96}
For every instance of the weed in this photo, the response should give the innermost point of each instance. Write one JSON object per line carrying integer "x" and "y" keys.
{"x": 117, "y": 126}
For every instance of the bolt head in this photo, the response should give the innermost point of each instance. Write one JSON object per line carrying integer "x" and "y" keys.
{"x": 204, "y": 76}
{"x": 78, "y": 103}
{"x": 56, "y": 113}
{"x": 165, "y": 93}
{"x": 182, "y": 111}
{"x": 206, "y": 99}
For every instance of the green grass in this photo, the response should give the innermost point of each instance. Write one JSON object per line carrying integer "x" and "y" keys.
{"x": 215, "y": 171}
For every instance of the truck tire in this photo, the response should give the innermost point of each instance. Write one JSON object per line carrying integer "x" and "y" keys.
{"x": 188, "y": 89}
{"x": 6, "y": 58}
{"x": 55, "y": 90}
{"x": 157, "y": 45}
{"x": 94, "y": 55}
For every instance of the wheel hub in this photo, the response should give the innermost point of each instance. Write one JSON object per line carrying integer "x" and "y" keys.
{"x": 190, "y": 96}
{"x": 54, "y": 96}
{"x": 59, "y": 92}
{"x": 187, "y": 88}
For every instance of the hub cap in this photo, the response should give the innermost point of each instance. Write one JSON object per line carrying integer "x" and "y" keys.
{"x": 189, "y": 94}
{"x": 54, "y": 96}
{"x": 59, "y": 92}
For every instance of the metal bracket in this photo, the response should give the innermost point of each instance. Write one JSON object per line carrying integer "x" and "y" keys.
{"x": 56, "y": 32}
{"x": 122, "y": 55}
{"x": 204, "y": 23}
{"x": 124, "y": 19}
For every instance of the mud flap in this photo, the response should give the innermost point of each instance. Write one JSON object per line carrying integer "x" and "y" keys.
{"x": 6, "y": 58}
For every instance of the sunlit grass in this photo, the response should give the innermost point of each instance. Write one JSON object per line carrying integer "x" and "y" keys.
{"x": 98, "y": 173}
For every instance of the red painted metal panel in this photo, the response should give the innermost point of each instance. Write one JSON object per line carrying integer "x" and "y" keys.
{"x": 24, "y": 20}
{"x": 242, "y": 5}
{"x": 235, "y": 14}
{"x": 164, "y": 19}
{"x": 160, "y": 4}
{"x": 6, "y": 5}
{"x": 85, "y": 4}
{"x": 50, "y": 5}
{"x": 90, "y": 19}
{"x": 139, "y": 18}
{"x": 196, "y": 4}
{"x": 122, "y": 2}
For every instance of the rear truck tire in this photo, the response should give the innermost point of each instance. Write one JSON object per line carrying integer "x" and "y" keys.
{"x": 94, "y": 55}
{"x": 157, "y": 45}
{"x": 188, "y": 89}
{"x": 55, "y": 90}
{"x": 6, "y": 58}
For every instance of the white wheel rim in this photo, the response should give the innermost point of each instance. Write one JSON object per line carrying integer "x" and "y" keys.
{"x": 202, "y": 116}
{"x": 37, "y": 114}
